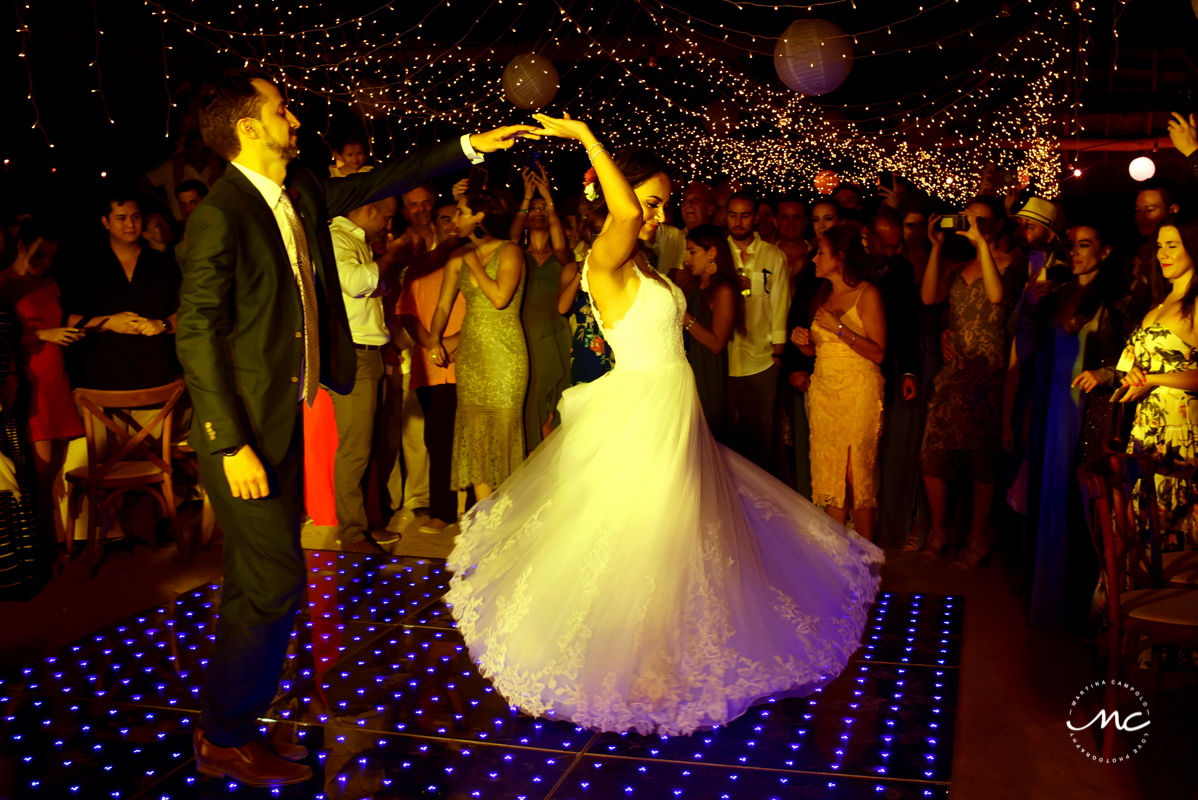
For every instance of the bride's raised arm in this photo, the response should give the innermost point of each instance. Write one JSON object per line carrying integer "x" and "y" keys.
{"x": 618, "y": 241}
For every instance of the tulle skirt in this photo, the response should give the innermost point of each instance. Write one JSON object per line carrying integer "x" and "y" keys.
{"x": 633, "y": 574}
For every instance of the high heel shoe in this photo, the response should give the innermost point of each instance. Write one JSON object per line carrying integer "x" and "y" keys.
{"x": 971, "y": 556}
{"x": 935, "y": 543}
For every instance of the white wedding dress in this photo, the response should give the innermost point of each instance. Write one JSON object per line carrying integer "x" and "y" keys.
{"x": 633, "y": 574}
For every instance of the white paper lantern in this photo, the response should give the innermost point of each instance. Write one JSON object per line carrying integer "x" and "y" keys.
{"x": 1142, "y": 168}
{"x": 529, "y": 81}
{"x": 721, "y": 117}
{"x": 813, "y": 56}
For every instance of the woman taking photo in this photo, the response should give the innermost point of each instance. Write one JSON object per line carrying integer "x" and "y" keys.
{"x": 848, "y": 339}
{"x": 961, "y": 436}
{"x": 545, "y": 328}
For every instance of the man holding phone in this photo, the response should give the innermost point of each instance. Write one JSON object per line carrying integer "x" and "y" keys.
{"x": 1038, "y": 233}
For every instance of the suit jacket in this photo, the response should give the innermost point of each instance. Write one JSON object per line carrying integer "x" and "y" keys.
{"x": 896, "y": 281}
{"x": 240, "y": 321}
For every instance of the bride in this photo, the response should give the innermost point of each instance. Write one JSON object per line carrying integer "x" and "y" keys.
{"x": 633, "y": 574}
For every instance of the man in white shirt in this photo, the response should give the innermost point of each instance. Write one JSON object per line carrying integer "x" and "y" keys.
{"x": 754, "y": 359}
{"x": 408, "y": 480}
{"x": 195, "y": 162}
{"x": 365, "y": 279}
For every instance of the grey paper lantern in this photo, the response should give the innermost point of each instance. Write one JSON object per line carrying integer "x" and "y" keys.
{"x": 813, "y": 56}
{"x": 529, "y": 81}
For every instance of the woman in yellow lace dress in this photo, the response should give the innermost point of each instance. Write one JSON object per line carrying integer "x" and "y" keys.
{"x": 844, "y": 404}
{"x": 1161, "y": 362}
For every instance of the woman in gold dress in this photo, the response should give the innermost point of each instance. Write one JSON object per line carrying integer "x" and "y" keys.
{"x": 848, "y": 339}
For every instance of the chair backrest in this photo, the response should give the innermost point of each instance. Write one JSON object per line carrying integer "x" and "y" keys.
{"x": 135, "y": 439}
{"x": 1106, "y": 486}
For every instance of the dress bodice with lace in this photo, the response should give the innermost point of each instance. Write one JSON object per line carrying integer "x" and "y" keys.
{"x": 634, "y": 574}
{"x": 649, "y": 336}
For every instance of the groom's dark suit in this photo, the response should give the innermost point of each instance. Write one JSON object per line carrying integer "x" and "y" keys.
{"x": 240, "y": 340}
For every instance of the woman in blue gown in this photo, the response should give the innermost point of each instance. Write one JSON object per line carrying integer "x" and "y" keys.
{"x": 1073, "y": 327}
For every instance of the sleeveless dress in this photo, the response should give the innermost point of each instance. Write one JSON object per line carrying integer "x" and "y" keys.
{"x": 711, "y": 370}
{"x": 844, "y": 405}
{"x": 1166, "y": 427}
{"x": 492, "y": 376}
{"x": 707, "y": 586}
{"x": 52, "y": 412}
{"x": 548, "y": 336}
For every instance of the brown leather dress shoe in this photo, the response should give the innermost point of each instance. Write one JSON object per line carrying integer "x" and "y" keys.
{"x": 254, "y": 764}
{"x": 287, "y": 750}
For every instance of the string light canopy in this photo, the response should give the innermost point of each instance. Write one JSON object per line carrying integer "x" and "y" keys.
{"x": 676, "y": 90}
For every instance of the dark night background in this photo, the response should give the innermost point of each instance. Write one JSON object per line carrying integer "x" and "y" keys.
{"x": 136, "y": 52}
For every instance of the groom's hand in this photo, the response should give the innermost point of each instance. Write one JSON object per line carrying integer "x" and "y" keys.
{"x": 498, "y": 139}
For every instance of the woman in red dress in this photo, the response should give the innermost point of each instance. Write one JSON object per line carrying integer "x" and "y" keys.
{"x": 33, "y": 296}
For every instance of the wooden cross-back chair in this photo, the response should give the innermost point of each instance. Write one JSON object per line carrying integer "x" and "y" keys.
{"x": 138, "y": 458}
{"x": 1143, "y": 608}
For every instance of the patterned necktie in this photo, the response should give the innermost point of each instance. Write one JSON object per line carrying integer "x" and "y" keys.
{"x": 307, "y": 288}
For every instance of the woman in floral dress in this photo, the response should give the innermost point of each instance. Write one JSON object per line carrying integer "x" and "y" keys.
{"x": 1161, "y": 362}
{"x": 590, "y": 357}
{"x": 961, "y": 438}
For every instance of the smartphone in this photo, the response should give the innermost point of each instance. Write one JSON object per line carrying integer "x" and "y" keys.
{"x": 954, "y": 222}
{"x": 1036, "y": 260}
{"x": 886, "y": 180}
{"x": 533, "y": 160}
{"x": 478, "y": 179}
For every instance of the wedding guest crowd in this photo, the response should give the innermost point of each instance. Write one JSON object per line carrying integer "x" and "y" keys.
{"x": 893, "y": 358}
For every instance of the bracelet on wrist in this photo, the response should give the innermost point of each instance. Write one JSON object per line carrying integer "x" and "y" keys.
{"x": 687, "y": 326}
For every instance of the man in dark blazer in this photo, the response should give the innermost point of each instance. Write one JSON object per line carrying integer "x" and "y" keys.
{"x": 261, "y": 322}
{"x": 902, "y": 421}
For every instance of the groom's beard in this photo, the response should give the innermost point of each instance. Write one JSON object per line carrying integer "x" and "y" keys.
{"x": 288, "y": 152}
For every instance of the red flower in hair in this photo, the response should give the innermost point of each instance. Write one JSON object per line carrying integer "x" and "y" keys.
{"x": 588, "y": 185}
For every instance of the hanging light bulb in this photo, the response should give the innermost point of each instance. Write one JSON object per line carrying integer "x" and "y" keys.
{"x": 1142, "y": 168}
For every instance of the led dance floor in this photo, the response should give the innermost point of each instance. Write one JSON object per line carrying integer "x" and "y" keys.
{"x": 380, "y": 688}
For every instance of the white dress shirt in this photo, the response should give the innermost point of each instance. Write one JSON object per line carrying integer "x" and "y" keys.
{"x": 766, "y": 308}
{"x": 271, "y": 192}
{"x": 359, "y": 274}
{"x": 669, "y": 245}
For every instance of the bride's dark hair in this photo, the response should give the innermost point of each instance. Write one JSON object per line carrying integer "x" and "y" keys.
{"x": 637, "y": 165}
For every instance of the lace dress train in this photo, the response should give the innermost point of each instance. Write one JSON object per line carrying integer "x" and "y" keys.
{"x": 633, "y": 574}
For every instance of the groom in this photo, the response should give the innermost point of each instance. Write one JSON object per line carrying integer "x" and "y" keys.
{"x": 261, "y": 324}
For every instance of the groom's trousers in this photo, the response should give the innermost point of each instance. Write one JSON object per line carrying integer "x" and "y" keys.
{"x": 263, "y": 587}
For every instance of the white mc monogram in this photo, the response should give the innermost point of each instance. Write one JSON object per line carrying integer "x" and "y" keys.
{"x": 1122, "y": 725}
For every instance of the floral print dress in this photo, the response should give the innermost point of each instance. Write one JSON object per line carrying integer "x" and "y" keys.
{"x": 1166, "y": 427}
{"x": 591, "y": 357}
